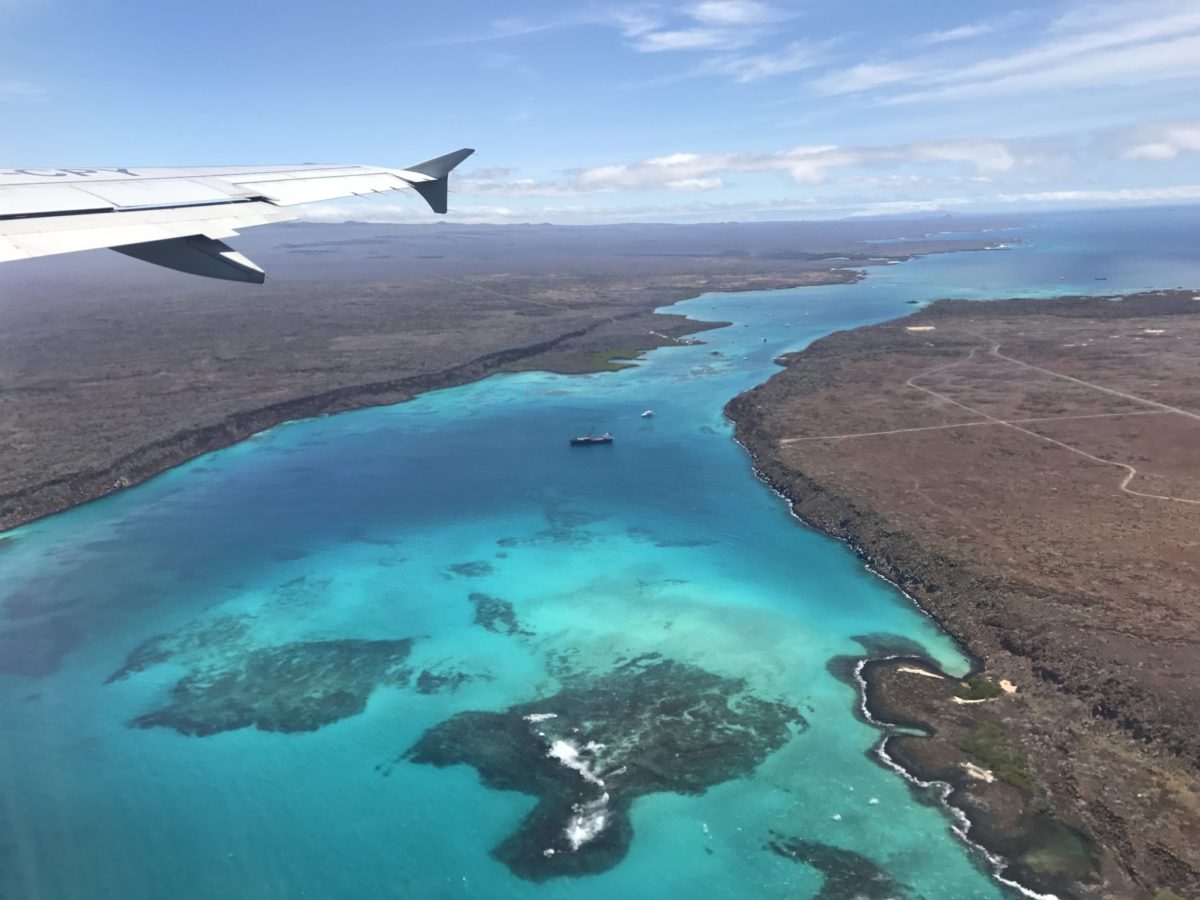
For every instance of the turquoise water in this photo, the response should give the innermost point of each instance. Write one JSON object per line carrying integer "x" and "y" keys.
{"x": 350, "y": 526}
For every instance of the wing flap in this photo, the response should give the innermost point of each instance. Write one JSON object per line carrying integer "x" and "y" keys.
{"x": 160, "y": 192}
{"x": 44, "y": 199}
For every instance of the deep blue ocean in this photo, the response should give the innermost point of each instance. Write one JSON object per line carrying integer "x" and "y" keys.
{"x": 392, "y": 523}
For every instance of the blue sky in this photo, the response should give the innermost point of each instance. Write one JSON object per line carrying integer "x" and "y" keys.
{"x": 639, "y": 111}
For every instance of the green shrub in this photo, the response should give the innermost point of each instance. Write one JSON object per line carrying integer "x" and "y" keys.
{"x": 992, "y": 748}
{"x": 978, "y": 688}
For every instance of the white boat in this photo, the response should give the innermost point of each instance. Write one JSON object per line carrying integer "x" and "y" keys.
{"x": 648, "y": 414}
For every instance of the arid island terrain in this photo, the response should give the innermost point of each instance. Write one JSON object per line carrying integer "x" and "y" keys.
{"x": 1029, "y": 472}
{"x": 112, "y": 371}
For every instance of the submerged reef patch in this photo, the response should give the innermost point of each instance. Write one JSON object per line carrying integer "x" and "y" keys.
{"x": 647, "y": 726}
{"x": 300, "y": 686}
{"x": 638, "y": 533}
{"x": 496, "y": 614}
{"x": 473, "y": 569}
{"x": 444, "y": 681}
{"x": 848, "y": 875}
{"x": 202, "y": 638}
{"x": 302, "y": 592}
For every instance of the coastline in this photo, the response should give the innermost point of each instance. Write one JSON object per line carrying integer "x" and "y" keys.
{"x": 577, "y": 351}
{"x": 1132, "y": 860}
{"x": 142, "y": 463}
{"x": 894, "y": 719}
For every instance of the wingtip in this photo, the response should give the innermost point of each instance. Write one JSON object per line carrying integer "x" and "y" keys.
{"x": 441, "y": 166}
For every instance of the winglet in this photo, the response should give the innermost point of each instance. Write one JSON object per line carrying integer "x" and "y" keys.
{"x": 442, "y": 165}
{"x": 436, "y": 191}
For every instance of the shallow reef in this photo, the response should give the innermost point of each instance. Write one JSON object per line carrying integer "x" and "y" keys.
{"x": 495, "y": 614}
{"x": 294, "y": 687}
{"x": 848, "y": 875}
{"x": 638, "y": 533}
{"x": 472, "y": 569}
{"x": 443, "y": 681}
{"x": 201, "y": 638}
{"x": 647, "y": 726}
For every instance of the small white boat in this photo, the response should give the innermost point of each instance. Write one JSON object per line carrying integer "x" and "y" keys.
{"x": 648, "y": 414}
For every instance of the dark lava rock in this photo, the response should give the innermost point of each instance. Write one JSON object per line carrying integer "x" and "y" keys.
{"x": 495, "y": 614}
{"x": 848, "y": 875}
{"x": 878, "y": 645}
{"x": 1042, "y": 848}
{"x": 474, "y": 569}
{"x": 588, "y": 751}
{"x": 294, "y": 687}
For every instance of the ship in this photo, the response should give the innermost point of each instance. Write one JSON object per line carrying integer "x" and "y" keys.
{"x": 589, "y": 439}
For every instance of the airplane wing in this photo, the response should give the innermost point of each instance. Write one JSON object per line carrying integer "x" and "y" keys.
{"x": 177, "y": 217}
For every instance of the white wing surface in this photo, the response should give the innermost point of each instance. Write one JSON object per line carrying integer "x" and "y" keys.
{"x": 177, "y": 217}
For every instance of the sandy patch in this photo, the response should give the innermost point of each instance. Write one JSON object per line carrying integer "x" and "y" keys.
{"x": 913, "y": 670}
{"x": 979, "y": 774}
{"x": 1007, "y": 686}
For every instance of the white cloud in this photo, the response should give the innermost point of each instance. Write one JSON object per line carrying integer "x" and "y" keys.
{"x": 634, "y": 22}
{"x": 985, "y": 156}
{"x": 747, "y": 210}
{"x": 961, "y": 33}
{"x": 694, "y": 184}
{"x": 902, "y": 207}
{"x": 1137, "y": 65}
{"x": 1177, "y": 194}
{"x": 803, "y": 164}
{"x": 692, "y": 39}
{"x": 1094, "y": 46}
{"x": 795, "y": 57}
{"x": 734, "y": 12}
{"x": 1162, "y": 141}
{"x": 503, "y": 29}
{"x": 720, "y": 25}
{"x": 864, "y": 77}
{"x": 830, "y": 179}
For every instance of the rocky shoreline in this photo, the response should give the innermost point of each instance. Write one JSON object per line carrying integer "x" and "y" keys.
{"x": 1091, "y": 769}
{"x": 140, "y": 464}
